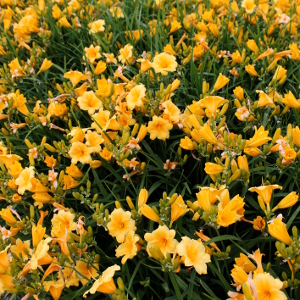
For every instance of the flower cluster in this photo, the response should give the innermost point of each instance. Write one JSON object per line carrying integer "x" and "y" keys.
{"x": 135, "y": 138}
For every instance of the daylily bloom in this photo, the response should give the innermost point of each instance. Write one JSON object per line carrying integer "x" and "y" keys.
{"x": 277, "y": 229}
{"x": 104, "y": 284}
{"x": 120, "y": 224}
{"x": 265, "y": 191}
{"x": 260, "y": 138}
{"x": 128, "y": 249}
{"x": 163, "y": 238}
{"x": 164, "y": 63}
{"x": 194, "y": 254}
{"x": 47, "y": 64}
{"x": 221, "y": 82}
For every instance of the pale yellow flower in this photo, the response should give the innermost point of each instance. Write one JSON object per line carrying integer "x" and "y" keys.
{"x": 194, "y": 255}
{"x": 24, "y": 180}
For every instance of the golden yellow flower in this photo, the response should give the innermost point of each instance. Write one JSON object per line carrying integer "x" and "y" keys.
{"x": 7, "y": 216}
{"x": 267, "y": 287}
{"x": 163, "y": 238}
{"x": 143, "y": 197}
{"x": 291, "y": 101}
{"x": 213, "y": 169}
{"x": 251, "y": 70}
{"x": 80, "y": 90}
{"x": 245, "y": 263}
{"x": 55, "y": 287}
{"x": 295, "y": 51}
{"x": 116, "y": 12}
{"x": 175, "y": 25}
{"x": 74, "y": 171}
{"x": 211, "y": 104}
{"x": 159, "y": 128}
{"x": 85, "y": 272}
{"x": 265, "y": 191}
{"x": 37, "y": 233}
{"x": 206, "y": 197}
{"x": 169, "y": 49}
{"x": 264, "y": 100}
{"x": 94, "y": 140}
{"x": 251, "y": 44}
{"x": 149, "y": 213}
{"x": 221, "y": 82}
{"x": 56, "y": 12}
{"x": 260, "y": 138}
{"x": 259, "y": 223}
{"x": 178, "y": 208}
{"x": 64, "y": 22}
{"x": 75, "y": 77}
{"x": 134, "y": 34}
{"x": 120, "y": 224}
{"x": 125, "y": 54}
{"x": 80, "y": 152}
{"x": 15, "y": 169}
{"x": 20, "y": 247}
{"x": 88, "y": 101}
{"x": 104, "y": 87}
{"x": 104, "y": 284}
{"x": 100, "y": 68}
{"x": 187, "y": 144}
{"x": 41, "y": 251}
{"x": 164, "y": 63}
{"x": 239, "y": 93}
{"x": 92, "y": 53}
{"x": 64, "y": 218}
{"x": 249, "y": 6}
{"x": 47, "y": 64}
{"x": 194, "y": 255}
{"x": 59, "y": 234}
{"x": 254, "y": 151}
{"x": 171, "y": 111}
{"x": 128, "y": 249}
{"x": 279, "y": 73}
{"x": 15, "y": 69}
{"x": 213, "y": 29}
{"x": 207, "y": 134}
{"x": 24, "y": 180}
{"x": 278, "y": 230}
{"x": 288, "y": 201}
{"x": 135, "y": 96}
{"x": 239, "y": 275}
{"x": 96, "y": 26}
